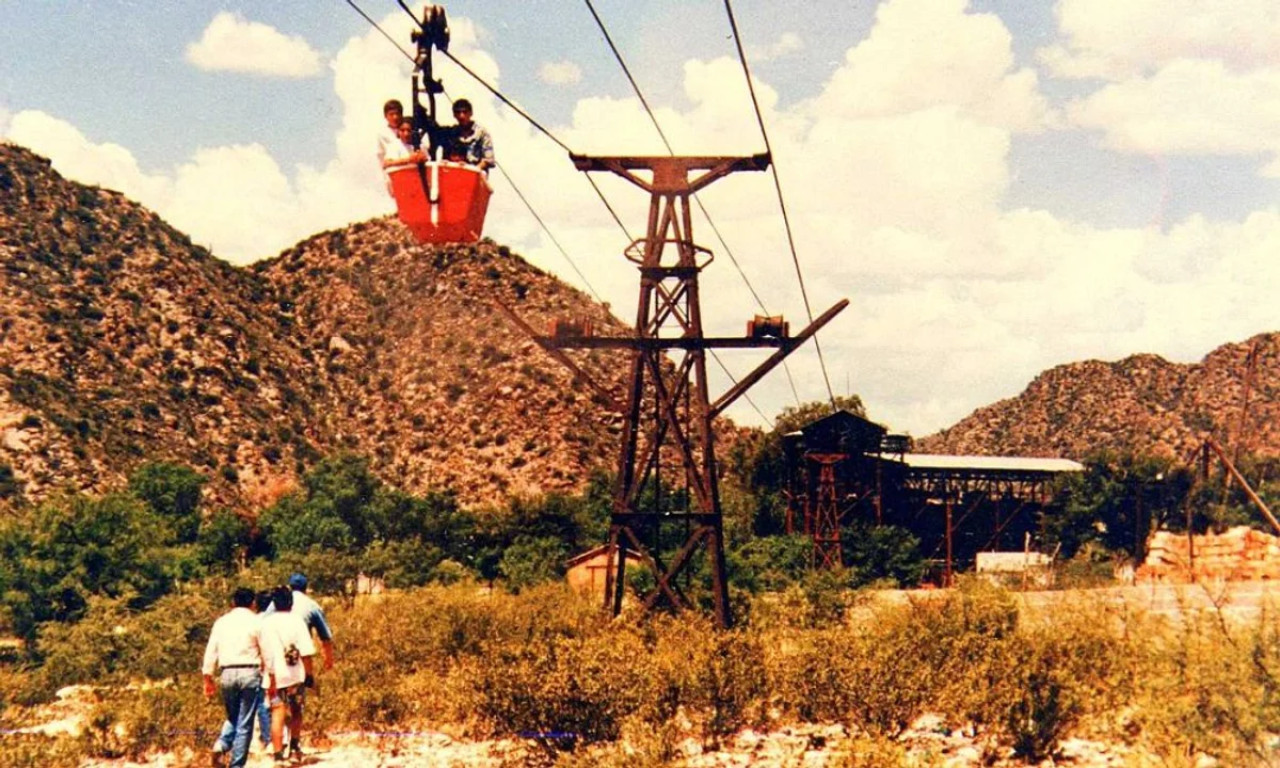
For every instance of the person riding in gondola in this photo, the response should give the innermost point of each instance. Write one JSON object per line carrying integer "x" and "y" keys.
{"x": 467, "y": 142}
{"x": 405, "y": 131}
{"x": 393, "y": 151}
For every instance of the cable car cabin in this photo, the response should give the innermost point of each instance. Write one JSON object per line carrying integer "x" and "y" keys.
{"x": 441, "y": 202}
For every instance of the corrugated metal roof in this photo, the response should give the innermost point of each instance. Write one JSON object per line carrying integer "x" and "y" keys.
{"x": 990, "y": 463}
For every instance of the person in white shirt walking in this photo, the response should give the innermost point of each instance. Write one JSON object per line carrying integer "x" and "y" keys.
{"x": 288, "y": 654}
{"x": 235, "y": 652}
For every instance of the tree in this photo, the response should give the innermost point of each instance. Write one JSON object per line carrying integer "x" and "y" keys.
{"x": 70, "y": 549}
{"x": 532, "y": 560}
{"x": 793, "y": 418}
{"x": 173, "y": 493}
{"x": 882, "y": 552}
{"x": 765, "y": 466}
{"x": 222, "y": 540}
{"x": 1116, "y": 502}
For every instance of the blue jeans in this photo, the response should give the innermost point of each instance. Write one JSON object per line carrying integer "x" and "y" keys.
{"x": 241, "y": 691}
{"x": 264, "y": 726}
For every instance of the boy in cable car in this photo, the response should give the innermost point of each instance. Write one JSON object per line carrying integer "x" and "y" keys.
{"x": 467, "y": 142}
{"x": 393, "y": 152}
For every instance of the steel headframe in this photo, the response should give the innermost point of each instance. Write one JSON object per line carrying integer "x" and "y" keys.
{"x": 666, "y": 498}
{"x": 826, "y": 513}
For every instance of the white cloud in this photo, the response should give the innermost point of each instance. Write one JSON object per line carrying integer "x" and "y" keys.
{"x": 1188, "y": 107}
{"x": 787, "y": 44}
{"x": 75, "y": 156}
{"x": 233, "y": 44}
{"x": 896, "y": 177}
{"x": 560, "y": 73}
{"x": 1118, "y": 40}
{"x": 928, "y": 53}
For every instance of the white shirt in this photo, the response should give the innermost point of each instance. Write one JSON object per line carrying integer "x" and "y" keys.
{"x": 279, "y": 631}
{"x": 235, "y": 640}
{"x": 390, "y": 147}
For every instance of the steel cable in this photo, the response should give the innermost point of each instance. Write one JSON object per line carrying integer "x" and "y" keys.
{"x": 617, "y": 219}
{"x": 777, "y": 183}
{"x": 653, "y": 118}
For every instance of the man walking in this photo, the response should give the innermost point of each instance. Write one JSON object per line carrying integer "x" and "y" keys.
{"x": 313, "y": 616}
{"x": 235, "y": 652}
{"x": 289, "y": 652}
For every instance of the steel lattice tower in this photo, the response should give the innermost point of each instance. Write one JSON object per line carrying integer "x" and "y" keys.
{"x": 827, "y": 551}
{"x": 666, "y": 498}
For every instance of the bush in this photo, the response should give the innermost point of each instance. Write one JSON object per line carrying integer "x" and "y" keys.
{"x": 715, "y": 676}
{"x": 1208, "y": 686}
{"x": 35, "y": 749}
{"x": 135, "y": 722}
{"x": 113, "y": 644}
{"x": 529, "y": 561}
{"x": 569, "y": 690}
{"x": 223, "y": 541}
{"x": 71, "y": 549}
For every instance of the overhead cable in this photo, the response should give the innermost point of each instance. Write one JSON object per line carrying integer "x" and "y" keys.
{"x": 617, "y": 219}
{"x": 552, "y": 237}
{"x": 653, "y": 118}
{"x": 777, "y": 183}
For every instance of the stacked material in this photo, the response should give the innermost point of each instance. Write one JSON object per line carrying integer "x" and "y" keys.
{"x": 1239, "y": 554}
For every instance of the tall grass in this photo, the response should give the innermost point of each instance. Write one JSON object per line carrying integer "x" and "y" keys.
{"x": 547, "y": 666}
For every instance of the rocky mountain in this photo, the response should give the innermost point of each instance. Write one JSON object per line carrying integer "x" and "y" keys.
{"x": 123, "y": 342}
{"x": 421, "y": 371}
{"x": 1143, "y": 403}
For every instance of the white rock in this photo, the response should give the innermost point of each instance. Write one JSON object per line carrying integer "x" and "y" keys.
{"x": 14, "y": 440}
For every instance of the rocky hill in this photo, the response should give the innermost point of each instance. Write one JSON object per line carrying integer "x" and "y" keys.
{"x": 1143, "y": 403}
{"x": 418, "y": 369}
{"x": 122, "y": 342}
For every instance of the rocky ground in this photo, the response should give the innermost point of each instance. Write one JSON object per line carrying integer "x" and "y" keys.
{"x": 925, "y": 744}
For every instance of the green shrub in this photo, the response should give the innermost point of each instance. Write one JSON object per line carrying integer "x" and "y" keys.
{"x": 134, "y": 723}
{"x": 21, "y": 749}
{"x": 568, "y": 690}
{"x": 717, "y": 677}
{"x": 1211, "y": 687}
{"x": 113, "y": 644}
{"x": 67, "y": 550}
{"x": 223, "y": 541}
{"x": 173, "y": 493}
{"x": 529, "y": 561}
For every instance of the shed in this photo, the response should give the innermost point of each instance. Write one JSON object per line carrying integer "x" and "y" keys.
{"x": 588, "y": 571}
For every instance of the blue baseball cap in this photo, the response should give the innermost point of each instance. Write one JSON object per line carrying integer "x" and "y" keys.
{"x": 298, "y": 582}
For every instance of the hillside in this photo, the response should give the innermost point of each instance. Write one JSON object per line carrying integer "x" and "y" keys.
{"x": 1142, "y": 403}
{"x": 422, "y": 373}
{"x": 122, "y": 342}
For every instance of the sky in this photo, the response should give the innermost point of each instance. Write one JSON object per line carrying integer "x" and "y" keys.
{"x": 997, "y": 186}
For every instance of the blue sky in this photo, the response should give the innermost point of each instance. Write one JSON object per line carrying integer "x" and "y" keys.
{"x": 999, "y": 186}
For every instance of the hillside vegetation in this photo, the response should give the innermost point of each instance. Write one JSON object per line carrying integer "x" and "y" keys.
{"x": 1141, "y": 404}
{"x": 122, "y": 341}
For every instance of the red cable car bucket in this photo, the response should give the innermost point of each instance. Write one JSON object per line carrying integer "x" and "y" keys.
{"x": 441, "y": 202}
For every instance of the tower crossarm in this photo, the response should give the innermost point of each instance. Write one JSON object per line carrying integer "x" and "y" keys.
{"x": 671, "y": 175}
